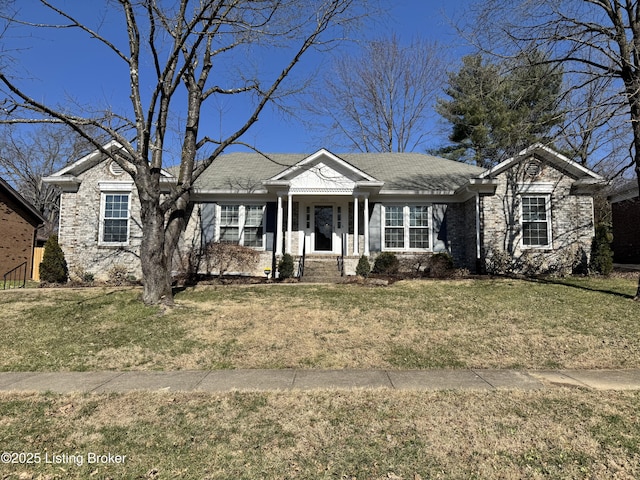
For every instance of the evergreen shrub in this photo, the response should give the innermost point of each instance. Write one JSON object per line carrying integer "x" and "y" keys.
{"x": 53, "y": 268}
{"x": 285, "y": 266}
{"x": 386, "y": 263}
{"x": 363, "y": 268}
{"x": 601, "y": 253}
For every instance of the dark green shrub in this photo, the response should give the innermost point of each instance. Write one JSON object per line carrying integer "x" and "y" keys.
{"x": 386, "y": 263}
{"x": 285, "y": 266}
{"x": 363, "y": 268}
{"x": 440, "y": 265}
{"x": 53, "y": 268}
{"x": 601, "y": 253}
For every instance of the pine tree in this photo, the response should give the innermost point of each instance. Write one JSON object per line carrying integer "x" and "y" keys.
{"x": 497, "y": 110}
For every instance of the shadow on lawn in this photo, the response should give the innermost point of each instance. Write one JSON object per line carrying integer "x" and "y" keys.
{"x": 559, "y": 281}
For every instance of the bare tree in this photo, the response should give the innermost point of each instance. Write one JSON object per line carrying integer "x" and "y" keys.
{"x": 180, "y": 57}
{"x": 28, "y": 156}
{"x": 593, "y": 39}
{"x": 381, "y": 98}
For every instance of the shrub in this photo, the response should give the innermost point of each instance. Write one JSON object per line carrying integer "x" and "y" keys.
{"x": 53, "y": 268}
{"x": 440, "y": 265}
{"x": 225, "y": 257}
{"x": 285, "y": 266}
{"x": 118, "y": 275}
{"x": 386, "y": 263}
{"x": 364, "y": 267}
{"x": 601, "y": 253}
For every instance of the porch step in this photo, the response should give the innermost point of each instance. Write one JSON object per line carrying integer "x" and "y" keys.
{"x": 323, "y": 270}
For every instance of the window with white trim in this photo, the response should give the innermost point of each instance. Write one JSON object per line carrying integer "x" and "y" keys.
{"x": 536, "y": 221}
{"x": 253, "y": 231}
{"x": 229, "y": 223}
{"x": 407, "y": 227}
{"x": 242, "y": 224}
{"x": 115, "y": 218}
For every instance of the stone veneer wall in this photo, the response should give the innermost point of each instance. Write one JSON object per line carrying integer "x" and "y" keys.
{"x": 571, "y": 220}
{"x": 79, "y": 228}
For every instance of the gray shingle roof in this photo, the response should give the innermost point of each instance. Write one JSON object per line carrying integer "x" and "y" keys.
{"x": 399, "y": 171}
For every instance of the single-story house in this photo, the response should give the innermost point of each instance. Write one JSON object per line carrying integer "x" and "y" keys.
{"x": 534, "y": 208}
{"x": 19, "y": 222}
{"x": 625, "y": 218}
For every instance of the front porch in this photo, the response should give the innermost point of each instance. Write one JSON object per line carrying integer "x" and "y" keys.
{"x": 324, "y": 226}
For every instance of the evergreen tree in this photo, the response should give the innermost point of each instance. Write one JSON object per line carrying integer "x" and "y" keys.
{"x": 601, "y": 253}
{"x": 497, "y": 110}
{"x": 53, "y": 268}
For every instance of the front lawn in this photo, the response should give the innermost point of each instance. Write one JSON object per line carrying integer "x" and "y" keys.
{"x": 498, "y": 323}
{"x": 362, "y": 435}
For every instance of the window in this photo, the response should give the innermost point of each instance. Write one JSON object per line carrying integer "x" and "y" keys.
{"x": 230, "y": 223}
{"x": 242, "y": 224}
{"x": 393, "y": 227}
{"x": 115, "y": 218}
{"x": 535, "y": 221}
{"x": 253, "y": 225}
{"x": 407, "y": 227}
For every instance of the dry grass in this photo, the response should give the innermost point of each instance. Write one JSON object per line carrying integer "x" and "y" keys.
{"x": 573, "y": 323}
{"x": 346, "y": 435}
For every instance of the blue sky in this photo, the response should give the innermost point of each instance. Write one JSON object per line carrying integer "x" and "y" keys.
{"x": 56, "y": 67}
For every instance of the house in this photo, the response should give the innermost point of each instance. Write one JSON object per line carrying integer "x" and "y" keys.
{"x": 535, "y": 208}
{"x": 625, "y": 218}
{"x": 19, "y": 221}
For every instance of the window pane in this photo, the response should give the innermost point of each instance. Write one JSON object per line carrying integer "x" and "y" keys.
{"x": 229, "y": 215}
{"x": 115, "y": 231}
{"x": 419, "y": 216}
{"x": 534, "y": 209}
{"x": 229, "y": 234}
{"x": 394, "y": 237}
{"x": 393, "y": 217}
{"x": 116, "y": 206}
{"x": 253, "y": 215}
{"x": 419, "y": 238}
{"x": 535, "y": 233}
{"x": 253, "y": 237}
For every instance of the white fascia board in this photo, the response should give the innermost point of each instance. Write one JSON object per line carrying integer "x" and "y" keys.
{"x": 93, "y": 156}
{"x": 548, "y": 154}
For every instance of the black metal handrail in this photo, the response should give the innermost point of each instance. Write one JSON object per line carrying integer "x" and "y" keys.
{"x": 341, "y": 257}
{"x": 16, "y": 275}
{"x": 301, "y": 261}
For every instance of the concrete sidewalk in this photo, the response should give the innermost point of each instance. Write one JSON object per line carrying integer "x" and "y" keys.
{"x": 264, "y": 380}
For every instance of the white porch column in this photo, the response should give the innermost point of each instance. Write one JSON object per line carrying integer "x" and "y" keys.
{"x": 289, "y": 222}
{"x": 356, "y": 233}
{"x": 279, "y": 226}
{"x": 366, "y": 225}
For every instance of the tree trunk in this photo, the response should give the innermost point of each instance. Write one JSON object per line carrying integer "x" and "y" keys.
{"x": 156, "y": 267}
{"x": 634, "y": 102}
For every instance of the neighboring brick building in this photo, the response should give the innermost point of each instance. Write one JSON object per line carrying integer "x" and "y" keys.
{"x": 19, "y": 221}
{"x": 625, "y": 212}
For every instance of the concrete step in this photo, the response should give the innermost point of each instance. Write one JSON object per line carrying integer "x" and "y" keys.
{"x": 321, "y": 271}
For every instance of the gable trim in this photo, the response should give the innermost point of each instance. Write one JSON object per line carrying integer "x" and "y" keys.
{"x": 547, "y": 154}
{"x": 311, "y": 158}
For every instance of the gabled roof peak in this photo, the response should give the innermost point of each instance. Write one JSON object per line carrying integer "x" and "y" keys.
{"x": 547, "y": 154}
